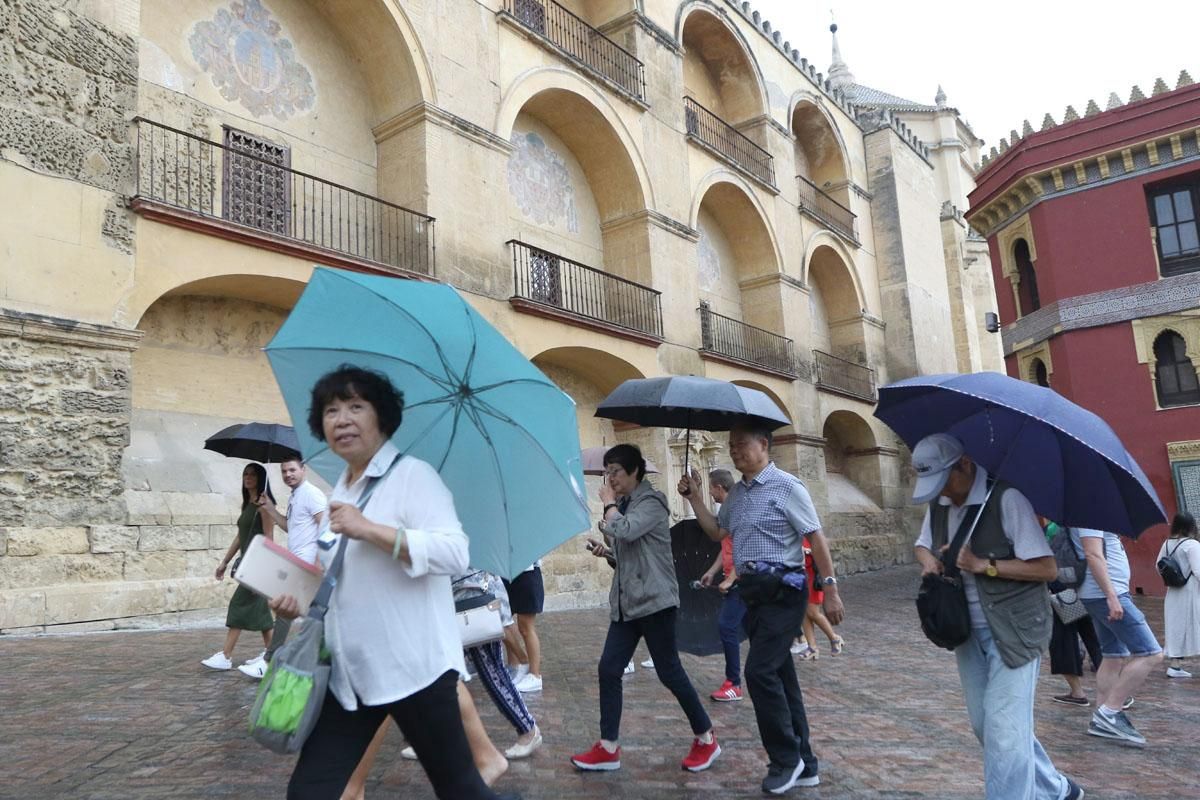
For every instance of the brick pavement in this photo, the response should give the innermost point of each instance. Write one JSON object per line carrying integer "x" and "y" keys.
{"x": 133, "y": 716}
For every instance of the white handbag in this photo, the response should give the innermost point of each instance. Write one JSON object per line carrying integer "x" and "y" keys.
{"x": 479, "y": 620}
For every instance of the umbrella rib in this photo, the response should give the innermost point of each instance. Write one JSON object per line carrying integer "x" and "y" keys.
{"x": 445, "y": 383}
{"x": 453, "y": 433}
{"x": 420, "y": 437}
{"x": 472, "y": 414}
{"x": 490, "y": 410}
{"x": 498, "y": 384}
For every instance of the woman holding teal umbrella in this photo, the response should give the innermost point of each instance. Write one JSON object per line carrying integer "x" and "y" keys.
{"x": 391, "y": 629}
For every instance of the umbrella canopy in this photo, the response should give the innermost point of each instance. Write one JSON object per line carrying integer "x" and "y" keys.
{"x": 689, "y": 402}
{"x": 502, "y": 435}
{"x": 264, "y": 442}
{"x": 1065, "y": 459}
{"x": 593, "y": 461}
{"x": 696, "y": 628}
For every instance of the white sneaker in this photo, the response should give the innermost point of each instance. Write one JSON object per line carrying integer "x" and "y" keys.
{"x": 218, "y": 661}
{"x": 648, "y": 663}
{"x": 629, "y": 668}
{"x": 798, "y": 648}
{"x": 518, "y": 672}
{"x": 519, "y": 751}
{"x": 255, "y": 668}
{"x": 1175, "y": 672}
{"x": 530, "y": 683}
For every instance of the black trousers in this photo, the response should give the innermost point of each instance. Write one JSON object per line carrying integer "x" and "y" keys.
{"x": 431, "y": 723}
{"x": 1065, "y": 657}
{"x": 771, "y": 680}
{"x": 658, "y": 629}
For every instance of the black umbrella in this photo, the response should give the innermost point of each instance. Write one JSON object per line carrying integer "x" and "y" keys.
{"x": 686, "y": 401}
{"x": 264, "y": 442}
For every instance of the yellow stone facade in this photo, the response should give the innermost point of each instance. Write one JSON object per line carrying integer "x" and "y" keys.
{"x": 177, "y": 169}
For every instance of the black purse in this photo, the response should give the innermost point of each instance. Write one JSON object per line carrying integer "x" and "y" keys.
{"x": 941, "y": 599}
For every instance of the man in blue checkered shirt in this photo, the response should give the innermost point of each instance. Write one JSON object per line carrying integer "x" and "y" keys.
{"x": 768, "y": 513}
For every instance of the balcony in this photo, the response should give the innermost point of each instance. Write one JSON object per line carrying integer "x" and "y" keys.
{"x": 579, "y": 41}
{"x": 725, "y": 339}
{"x": 252, "y": 196}
{"x": 843, "y": 377}
{"x": 551, "y": 285}
{"x": 829, "y": 212}
{"x": 727, "y": 142}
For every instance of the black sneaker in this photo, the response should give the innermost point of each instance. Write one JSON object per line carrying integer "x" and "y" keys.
{"x": 1074, "y": 790}
{"x": 779, "y": 779}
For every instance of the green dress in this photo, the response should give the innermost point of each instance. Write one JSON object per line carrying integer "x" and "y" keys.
{"x": 248, "y": 611}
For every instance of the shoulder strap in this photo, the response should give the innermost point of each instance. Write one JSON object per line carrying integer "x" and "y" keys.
{"x": 320, "y": 603}
{"x": 950, "y": 559}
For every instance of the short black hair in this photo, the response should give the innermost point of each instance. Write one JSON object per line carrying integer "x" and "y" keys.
{"x": 1184, "y": 524}
{"x": 288, "y": 459}
{"x": 349, "y": 381}
{"x": 755, "y": 429}
{"x": 629, "y": 457}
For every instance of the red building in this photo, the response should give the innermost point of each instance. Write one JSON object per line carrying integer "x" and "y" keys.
{"x": 1092, "y": 228}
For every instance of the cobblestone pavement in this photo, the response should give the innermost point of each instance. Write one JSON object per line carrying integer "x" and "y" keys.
{"x": 134, "y": 716}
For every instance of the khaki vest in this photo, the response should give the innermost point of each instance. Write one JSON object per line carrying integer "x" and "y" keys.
{"x": 1018, "y": 612}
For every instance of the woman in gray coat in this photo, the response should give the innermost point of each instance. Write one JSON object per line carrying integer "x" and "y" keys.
{"x": 643, "y": 602}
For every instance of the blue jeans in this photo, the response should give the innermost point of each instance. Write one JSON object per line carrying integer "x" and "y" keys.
{"x": 729, "y": 623}
{"x": 1000, "y": 705}
{"x": 1130, "y": 636}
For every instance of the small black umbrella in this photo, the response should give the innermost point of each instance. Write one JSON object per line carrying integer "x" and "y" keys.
{"x": 686, "y": 401}
{"x": 264, "y": 442}
{"x": 696, "y": 630}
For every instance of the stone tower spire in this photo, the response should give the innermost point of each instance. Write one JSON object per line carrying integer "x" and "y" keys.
{"x": 840, "y": 77}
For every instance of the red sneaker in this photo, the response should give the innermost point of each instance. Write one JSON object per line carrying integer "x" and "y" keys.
{"x": 727, "y": 693}
{"x": 597, "y": 759}
{"x": 701, "y": 756}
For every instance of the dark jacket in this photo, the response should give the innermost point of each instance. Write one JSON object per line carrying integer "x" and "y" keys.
{"x": 645, "y": 571}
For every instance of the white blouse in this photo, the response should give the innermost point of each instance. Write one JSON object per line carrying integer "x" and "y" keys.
{"x": 390, "y": 626}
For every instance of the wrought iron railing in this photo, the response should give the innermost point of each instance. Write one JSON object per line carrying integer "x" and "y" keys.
{"x": 578, "y": 289}
{"x": 727, "y": 141}
{"x": 582, "y": 42}
{"x": 735, "y": 339}
{"x": 825, "y": 209}
{"x": 184, "y": 171}
{"x": 842, "y": 376}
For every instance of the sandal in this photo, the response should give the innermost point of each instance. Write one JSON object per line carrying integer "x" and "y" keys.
{"x": 808, "y": 653}
{"x": 836, "y": 645}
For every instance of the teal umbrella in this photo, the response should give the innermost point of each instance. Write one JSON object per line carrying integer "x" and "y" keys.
{"x": 502, "y": 435}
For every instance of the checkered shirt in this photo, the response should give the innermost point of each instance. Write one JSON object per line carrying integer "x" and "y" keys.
{"x": 767, "y": 517}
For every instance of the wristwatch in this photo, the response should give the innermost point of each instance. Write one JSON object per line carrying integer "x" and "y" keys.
{"x": 607, "y": 506}
{"x": 991, "y": 570}
{"x": 829, "y": 580}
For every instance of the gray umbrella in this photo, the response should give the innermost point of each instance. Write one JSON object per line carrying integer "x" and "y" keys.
{"x": 686, "y": 401}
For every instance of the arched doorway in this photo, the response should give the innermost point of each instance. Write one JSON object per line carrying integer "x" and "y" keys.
{"x": 853, "y": 477}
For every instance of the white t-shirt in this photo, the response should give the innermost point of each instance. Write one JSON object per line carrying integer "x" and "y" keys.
{"x": 391, "y": 626}
{"x": 1114, "y": 558}
{"x": 1020, "y": 525}
{"x": 302, "y": 529}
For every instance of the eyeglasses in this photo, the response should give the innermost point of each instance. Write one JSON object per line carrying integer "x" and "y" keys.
{"x": 614, "y": 471}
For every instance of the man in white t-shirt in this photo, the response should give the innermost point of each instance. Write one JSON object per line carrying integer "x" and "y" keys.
{"x": 302, "y": 524}
{"x": 1128, "y": 645}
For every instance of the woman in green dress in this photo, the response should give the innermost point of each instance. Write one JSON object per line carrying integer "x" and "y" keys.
{"x": 247, "y": 610}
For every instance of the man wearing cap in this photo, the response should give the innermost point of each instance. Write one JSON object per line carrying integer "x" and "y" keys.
{"x": 1005, "y": 564}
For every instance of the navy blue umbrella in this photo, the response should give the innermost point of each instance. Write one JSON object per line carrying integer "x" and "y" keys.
{"x": 1065, "y": 459}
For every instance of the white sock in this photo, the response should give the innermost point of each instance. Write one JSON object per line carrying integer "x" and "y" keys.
{"x": 1106, "y": 711}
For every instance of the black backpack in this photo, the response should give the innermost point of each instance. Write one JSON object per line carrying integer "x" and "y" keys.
{"x": 1062, "y": 544}
{"x": 1171, "y": 571}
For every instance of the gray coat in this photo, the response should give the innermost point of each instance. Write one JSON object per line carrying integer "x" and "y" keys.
{"x": 645, "y": 571}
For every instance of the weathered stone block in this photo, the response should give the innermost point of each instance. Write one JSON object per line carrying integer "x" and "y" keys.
{"x": 66, "y": 604}
{"x": 46, "y": 541}
{"x": 113, "y": 538}
{"x": 22, "y": 608}
{"x": 188, "y": 508}
{"x": 3, "y": 541}
{"x": 202, "y": 563}
{"x": 55, "y": 570}
{"x": 155, "y": 566}
{"x": 173, "y": 537}
{"x": 146, "y": 508}
{"x": 221, "y": 536}
{"x": 193, "y": 593}
{"x": 88, "y": 402}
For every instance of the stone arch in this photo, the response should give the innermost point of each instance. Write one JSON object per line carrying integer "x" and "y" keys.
{"x": 775, "y": 397}
{"x": 852, "y": 465}
{"x": 825, "y": 239}
{"x": 744, "y": 212}
{"x": 596, "y": 134}
{"x": 837, "y": 304}
{"x": 714, "y": 49}
{"x": 820, "y": 149}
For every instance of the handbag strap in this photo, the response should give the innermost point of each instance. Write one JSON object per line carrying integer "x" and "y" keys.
{"x": 1172, "y": 555}
{"x": 950, "y": 559}
{"x": 320, "y": 603}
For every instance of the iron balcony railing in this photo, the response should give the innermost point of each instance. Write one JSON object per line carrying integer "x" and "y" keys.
{"x": 184, "y": 171}
{"x": 825, "y": 209}
{"x": 581, "y": 42}
{"x": 732, "y": 338}
{"x": 578, "y": 289}
{"x": 727, "y": 141}
{"x": 844, "y": 377}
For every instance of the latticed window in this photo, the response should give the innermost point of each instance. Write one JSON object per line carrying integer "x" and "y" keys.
{"x": 1173, "y": 214}
{"x": 1175, "y": 375}
{"x": 545, "y": 278}
{"x": 531, "y": 14}
{"x": 257, "y": 185}
{"x": 1027, "y": 289}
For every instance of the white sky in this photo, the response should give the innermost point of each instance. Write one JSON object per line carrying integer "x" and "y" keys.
{"x": 1000, "y": 63}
